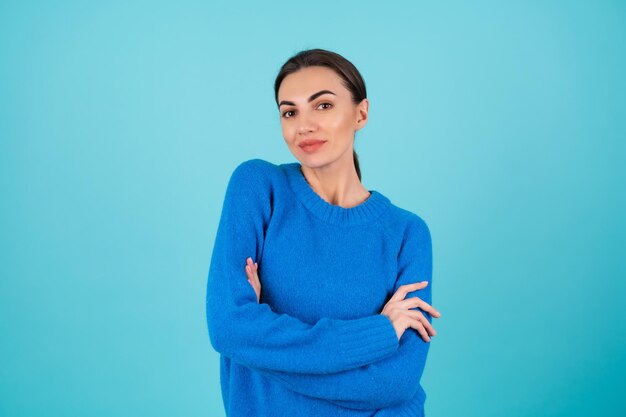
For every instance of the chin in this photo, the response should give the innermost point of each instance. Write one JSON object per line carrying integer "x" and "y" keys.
{"x": 311, "y": 161}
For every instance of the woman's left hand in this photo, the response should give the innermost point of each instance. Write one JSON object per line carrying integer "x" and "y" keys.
{"x": 253, "y": 277}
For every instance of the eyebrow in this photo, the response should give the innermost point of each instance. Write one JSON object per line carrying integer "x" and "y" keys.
{"x": 313, "y": 97}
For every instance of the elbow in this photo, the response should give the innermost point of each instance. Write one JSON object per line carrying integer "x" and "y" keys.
{"x": 406, "y": 391}
{"x": 403, "y": 391}
{"x": 403, "y": 384}
{"x": 388, "y": 391}
{"x": 219, "y": 324}
{"x": 408, "y": 374}
{"x": 215, "y": 340}
{"x": 220, "y": 339}
{"x": 216, "y": 329}
{"x": 388, "y": 397}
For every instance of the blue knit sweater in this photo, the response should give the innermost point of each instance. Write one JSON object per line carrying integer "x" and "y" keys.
{"x": 316, "y": 344}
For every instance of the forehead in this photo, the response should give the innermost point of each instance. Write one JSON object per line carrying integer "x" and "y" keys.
{"x": 299, "y": 85}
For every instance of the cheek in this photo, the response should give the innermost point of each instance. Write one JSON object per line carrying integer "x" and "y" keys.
{"x": 288, "y": 133}
{"x": 342, "y": 123}
{"x": 342, "y": 130}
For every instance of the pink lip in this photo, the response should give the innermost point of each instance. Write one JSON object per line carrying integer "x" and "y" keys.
{"x": 310, "y": 142}
{"x": 310, "y": 146}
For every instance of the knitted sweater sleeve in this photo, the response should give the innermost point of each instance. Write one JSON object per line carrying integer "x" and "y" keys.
{"x": 251, "y": 333}
{"x": 392, "y": 381}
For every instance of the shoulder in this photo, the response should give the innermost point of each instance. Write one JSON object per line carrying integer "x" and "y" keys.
{"x": 253, "y": 168}
{"x": 255, "y": 171}
{"x": 402, "y": 222}
{"x": 250, "y": 187}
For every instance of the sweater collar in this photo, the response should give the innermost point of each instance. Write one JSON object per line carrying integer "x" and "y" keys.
{"x": 365, "y": 212}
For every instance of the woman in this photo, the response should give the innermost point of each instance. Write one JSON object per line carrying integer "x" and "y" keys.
{"x": 320, "y": 326}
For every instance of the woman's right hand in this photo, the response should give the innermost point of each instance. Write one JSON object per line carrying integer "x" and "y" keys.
{"x": 398, "y": 310}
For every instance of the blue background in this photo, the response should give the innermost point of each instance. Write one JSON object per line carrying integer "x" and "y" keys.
{"x": 501, "y": 124}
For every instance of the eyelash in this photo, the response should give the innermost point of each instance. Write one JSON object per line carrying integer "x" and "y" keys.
{"x": 285, "y": 117}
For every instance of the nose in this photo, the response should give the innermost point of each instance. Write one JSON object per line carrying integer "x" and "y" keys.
{"x": 303, "y": 130}
{"x": 307, "y": 125}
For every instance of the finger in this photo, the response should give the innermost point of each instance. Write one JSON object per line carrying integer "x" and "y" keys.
{"x": 413, "y": 302}
{"x": 253, "y": 284}
{"x": 251, "y": 275}
{"x": 257, "y": 291}
{"x": 419, "y": 316}
{"x": 423, "y": 305}
{"x": 403, "y": 290}
{"x": 417, "y": 325}
{"x": 428, "y": 308}
{"x": 410, "y": 302}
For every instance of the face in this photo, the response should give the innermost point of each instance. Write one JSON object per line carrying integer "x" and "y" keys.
{"x": 315, "y": 106}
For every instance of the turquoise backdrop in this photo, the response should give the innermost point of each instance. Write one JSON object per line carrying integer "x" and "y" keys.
{"x": 502, "y": 124}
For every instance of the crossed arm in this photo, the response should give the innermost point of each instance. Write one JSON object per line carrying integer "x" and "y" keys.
{"x": 397, "y": 377}
{"x": 357, "y": 363}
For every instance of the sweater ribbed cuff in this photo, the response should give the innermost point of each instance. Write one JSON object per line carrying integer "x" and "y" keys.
{"x": 367, "y": 339}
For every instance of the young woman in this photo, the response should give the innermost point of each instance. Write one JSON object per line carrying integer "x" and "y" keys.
{"x": 315, "y": 281}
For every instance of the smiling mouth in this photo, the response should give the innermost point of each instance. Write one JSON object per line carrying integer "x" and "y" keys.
{"x": 311, "y": 146}
{"x": 309, "y": 142}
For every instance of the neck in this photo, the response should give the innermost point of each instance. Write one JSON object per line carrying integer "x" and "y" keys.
{"x": 337, "y": 183}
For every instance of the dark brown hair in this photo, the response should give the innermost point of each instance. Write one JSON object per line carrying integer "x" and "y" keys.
{"x": 350, "y": 76}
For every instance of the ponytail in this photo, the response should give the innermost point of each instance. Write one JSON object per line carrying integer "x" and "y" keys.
{"x": 356, "y": 164}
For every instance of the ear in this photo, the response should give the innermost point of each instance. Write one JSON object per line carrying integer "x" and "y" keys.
{"x": 361, "y": 113}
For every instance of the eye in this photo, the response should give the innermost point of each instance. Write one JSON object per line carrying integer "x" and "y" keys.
{"x": 321, "y": 104}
